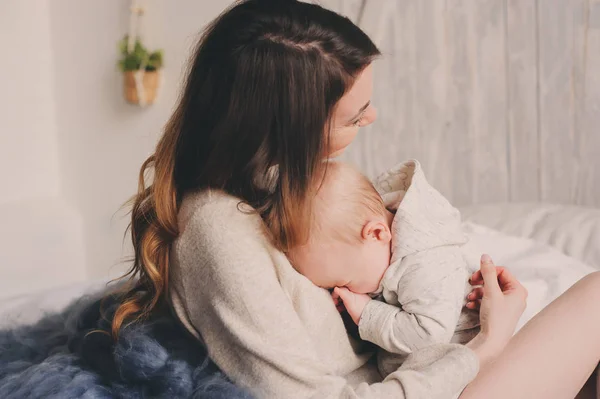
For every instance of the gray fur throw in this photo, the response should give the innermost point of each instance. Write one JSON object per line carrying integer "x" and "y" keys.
{"x": 60, "y": 357}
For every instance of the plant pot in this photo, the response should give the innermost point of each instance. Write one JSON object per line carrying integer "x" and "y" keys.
{"x": 148, "y": 87}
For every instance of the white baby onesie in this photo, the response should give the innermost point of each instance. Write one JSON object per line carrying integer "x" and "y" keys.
{"x": 423, "y": 291}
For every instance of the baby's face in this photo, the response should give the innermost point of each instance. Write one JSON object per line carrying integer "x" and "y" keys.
{"x": 358, "y": 266}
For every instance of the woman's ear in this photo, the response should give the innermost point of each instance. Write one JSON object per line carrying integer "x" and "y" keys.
{"x": 375, "y": 230}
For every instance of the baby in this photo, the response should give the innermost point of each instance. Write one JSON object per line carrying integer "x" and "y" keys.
{"x": 402, "y": 248}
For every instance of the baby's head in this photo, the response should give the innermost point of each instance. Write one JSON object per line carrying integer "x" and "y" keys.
{"x": 349, "y": 240}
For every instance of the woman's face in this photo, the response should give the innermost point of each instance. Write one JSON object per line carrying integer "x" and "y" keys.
{"x": 354, "y": 110}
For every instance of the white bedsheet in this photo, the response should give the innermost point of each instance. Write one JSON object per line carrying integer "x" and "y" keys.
{"x": 545, "y": 271}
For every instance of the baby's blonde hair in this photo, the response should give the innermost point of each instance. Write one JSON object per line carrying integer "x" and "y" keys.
{"x": 343, "y": 203}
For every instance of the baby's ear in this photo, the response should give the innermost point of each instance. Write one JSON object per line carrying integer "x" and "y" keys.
{"x": 375, "y": 230}
{"x": 385, "y": 234}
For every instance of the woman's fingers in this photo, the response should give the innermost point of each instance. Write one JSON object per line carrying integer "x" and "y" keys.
{"x": 511, "y": 286}
{"x": 474, "y": 298}
{"x": 476, "y": 293}
{"x": 490, "y": 276}
{"x": 477, "y": 279}
{"x": 501, "y": 303}
{"x": 507, "y": 280}
{"x": 476, "y": 304}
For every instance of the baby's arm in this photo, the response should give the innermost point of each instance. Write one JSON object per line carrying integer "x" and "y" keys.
{"x": 431, "y": 288}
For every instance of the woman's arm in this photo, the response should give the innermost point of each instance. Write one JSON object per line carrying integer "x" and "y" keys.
{"x": 552, "y": 355}
{"x": 233, "y": 298}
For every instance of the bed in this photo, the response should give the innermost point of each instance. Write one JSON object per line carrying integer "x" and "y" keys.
{"x": 548, "y": 247}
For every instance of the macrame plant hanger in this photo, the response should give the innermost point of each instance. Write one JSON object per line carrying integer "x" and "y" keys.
{"x": 137, "y": 10}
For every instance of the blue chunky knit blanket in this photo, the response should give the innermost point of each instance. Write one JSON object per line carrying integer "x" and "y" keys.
{"x": 60, "y": 357}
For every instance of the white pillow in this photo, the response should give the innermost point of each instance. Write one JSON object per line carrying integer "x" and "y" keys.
{"x": 574, "y": 230}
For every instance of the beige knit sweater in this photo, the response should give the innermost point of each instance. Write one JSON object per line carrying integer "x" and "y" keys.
{"x": 271, "y": 330}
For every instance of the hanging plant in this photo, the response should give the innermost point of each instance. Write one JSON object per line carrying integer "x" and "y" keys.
{"x": 141, "y": 70}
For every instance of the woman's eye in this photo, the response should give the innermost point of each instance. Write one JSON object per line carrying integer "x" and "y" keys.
{"x": 358, "y": 122}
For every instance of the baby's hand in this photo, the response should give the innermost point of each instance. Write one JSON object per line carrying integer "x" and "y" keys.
{"x": 337, "y": 301}
{"x": 354, "y": 303}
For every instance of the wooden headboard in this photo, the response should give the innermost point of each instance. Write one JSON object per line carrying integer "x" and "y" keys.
{"x": 499, "y": 99}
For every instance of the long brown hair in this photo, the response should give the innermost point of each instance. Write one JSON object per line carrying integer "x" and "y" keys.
{"x": 260, "y": 91}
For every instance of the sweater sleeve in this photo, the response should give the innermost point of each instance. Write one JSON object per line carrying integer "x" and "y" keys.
{"x": 234, "y": 300}
{"x": 430, "y": 286}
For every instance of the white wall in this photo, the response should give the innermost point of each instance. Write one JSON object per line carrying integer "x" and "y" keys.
{"x": 28, "y": 147}
{"x": 70, "y": 147}
{"x": 103, "y": 140}
{"x": 40, "y": 241}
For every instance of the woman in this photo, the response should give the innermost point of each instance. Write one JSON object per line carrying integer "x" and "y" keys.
{"x": 274, "y": 88}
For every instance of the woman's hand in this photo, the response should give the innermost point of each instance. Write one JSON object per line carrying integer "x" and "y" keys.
{"x": 354, "y": 303}
{"x": 501, "y": 301}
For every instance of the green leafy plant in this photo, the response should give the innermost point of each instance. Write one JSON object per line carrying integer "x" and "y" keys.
{"x": 133, "y": 61}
